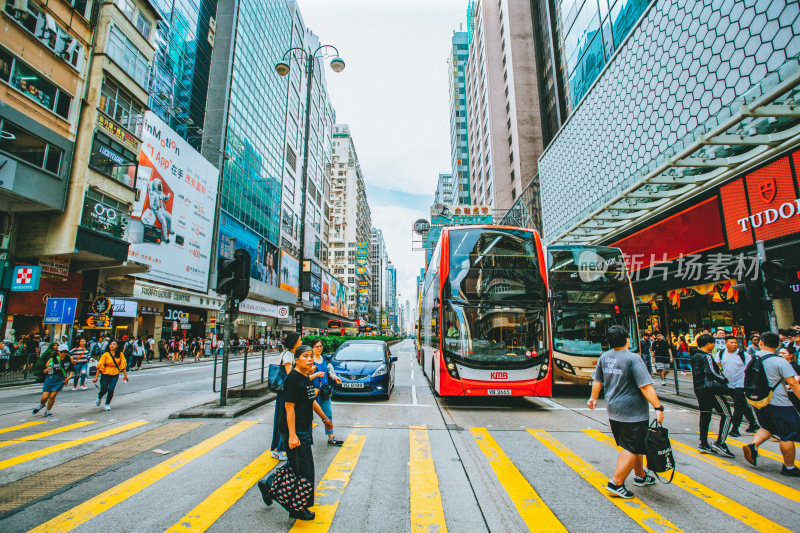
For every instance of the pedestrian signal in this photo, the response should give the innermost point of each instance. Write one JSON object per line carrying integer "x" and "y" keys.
{"x": 233, "y": 276}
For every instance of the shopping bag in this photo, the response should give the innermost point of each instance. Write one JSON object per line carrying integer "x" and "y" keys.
{"x": 277, "y": 375}
{"x": 659, "y": 451}
{"x": 291, "y": 491}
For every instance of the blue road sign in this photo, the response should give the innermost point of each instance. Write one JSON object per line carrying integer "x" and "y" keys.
{"x": 26, "y": 278}
{"x": 60, "y": 310}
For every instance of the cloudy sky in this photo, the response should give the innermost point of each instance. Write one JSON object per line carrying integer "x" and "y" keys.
{"x": 394, "y": 95}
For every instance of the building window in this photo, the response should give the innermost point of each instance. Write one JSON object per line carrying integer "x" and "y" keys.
{"x": 513, "y": 194}
{"x": 49, "y": 33}
{"x": 28, "y": 81}
{"x": 105, "y": 215}
{"x": 81, "y": 6}
{"x": 113, "y": 160}
{"x": 512, "y": 175}
{"x": 291, "y": 157}
{"x": 121, "y": 106}
{"x": 143, "y": 25}
{"x": 126, "y": 6}
{"x": 123, "y": 52}
{"x": 31, "y": 149}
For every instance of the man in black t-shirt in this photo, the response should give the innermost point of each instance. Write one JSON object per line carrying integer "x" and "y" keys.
{"x": 295, "y": 423}
{"x": 662, "y": 353}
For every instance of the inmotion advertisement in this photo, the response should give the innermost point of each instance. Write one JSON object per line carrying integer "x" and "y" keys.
{"x": 170, "y": 227}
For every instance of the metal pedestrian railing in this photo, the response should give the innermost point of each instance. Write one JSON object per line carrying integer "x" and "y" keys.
{"x": 254, "y": 363}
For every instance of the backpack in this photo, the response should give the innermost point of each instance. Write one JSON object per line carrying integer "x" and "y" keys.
{"x": 757, "y": 389}
{"x": 128, "y": 350}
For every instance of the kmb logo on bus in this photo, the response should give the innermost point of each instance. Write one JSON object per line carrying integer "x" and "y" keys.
{"x": 498, "y": 375}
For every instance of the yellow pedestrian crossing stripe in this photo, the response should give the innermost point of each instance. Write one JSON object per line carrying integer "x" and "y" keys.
{"x": 332, "y": 485}
{"x": 22, "y": 426}
{"x": 708, "y": 495}
{"x": 83, "y": 512}
{"x": 534, "y": 512}
{"x": 738, "y": 471}
{"x": 634, "y": 507}
{"x": 427, "y": 514}
{"x": 43, "y": 434}
{"x": 209, "y": 510}
{"x": 13, "y": 461}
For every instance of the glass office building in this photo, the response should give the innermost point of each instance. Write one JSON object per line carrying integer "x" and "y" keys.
{"x": 591, "y": 31}
{"x": 180, "y": 74}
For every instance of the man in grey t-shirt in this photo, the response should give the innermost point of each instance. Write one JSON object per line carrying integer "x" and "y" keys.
{"x": 779, "y": 418}
{"x": 629, "y": 388}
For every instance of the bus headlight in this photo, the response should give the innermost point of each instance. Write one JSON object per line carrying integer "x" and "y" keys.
{"x": 564, "y": 366}
{"x": 451, "y": 368}
{"x": 542, "y": 371}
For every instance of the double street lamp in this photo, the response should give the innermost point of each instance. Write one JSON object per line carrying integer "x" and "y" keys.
{"x": 283, "y": 67}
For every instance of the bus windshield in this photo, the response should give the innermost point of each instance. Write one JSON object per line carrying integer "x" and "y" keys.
{"x": 493, "y": 265}
{"x": 591, "y": 293}
{"x": 494, "y": 336}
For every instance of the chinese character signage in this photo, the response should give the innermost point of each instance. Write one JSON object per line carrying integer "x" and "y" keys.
{"x": 118, "y": 132}
{"x": 170, "y": 228}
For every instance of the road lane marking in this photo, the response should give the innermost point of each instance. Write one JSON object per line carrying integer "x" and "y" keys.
{"x": 22, "y": 426}
{"x": 26, "y": 490}
{"x": 13, "y": 461}
{"x": 427, "y": 514}
{"x": 218, "y": 502}
{"x": 634, "y": 507}
{"x": 531, "y": 508}
{"x": 761, "y": 453}
{"x": 332, "y": 485}
{"x": 708, "y": 495}
{"x": 550, "y": 403}
{"x": 414, "y": 395}
{"x": 45, "y": 433}
{"x": 364, "y": 404}
{"x": 87, "y": 510}
{"x": 738, "y": 471}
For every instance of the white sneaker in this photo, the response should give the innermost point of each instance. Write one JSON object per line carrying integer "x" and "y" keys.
{"x": 97, "y": 401}
{"x": 83, "y": 387}
{"x": 74, "y": 388}
{"x": 106, "y": 407}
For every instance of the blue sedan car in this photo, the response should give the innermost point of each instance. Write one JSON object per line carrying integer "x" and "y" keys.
{"x": 365, "y": 367}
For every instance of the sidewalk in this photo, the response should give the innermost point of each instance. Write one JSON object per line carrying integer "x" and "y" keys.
{"x": 145, "y": 366}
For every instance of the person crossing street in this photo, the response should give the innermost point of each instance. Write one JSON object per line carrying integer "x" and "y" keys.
{"x": 80, "y": 363}
{"x": 710, "y": 387}
{"x": 734, "y": 360}
{"x": 111, "y": 364}
{"x": 58, "y": 368}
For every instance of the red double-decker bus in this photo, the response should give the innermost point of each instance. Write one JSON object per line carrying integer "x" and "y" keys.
{"x": 341, "y": 328}
{"x": 484, "y": 315}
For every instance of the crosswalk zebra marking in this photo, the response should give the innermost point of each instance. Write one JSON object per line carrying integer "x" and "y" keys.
{"x": 43, "y": 434}
{"x": 92, "y": 507}
{"x": 635, "y": 508}
{"x": 761, "y": 452}
{"x": 22, "y": 426}
{"x": 708, "y": 495}
{"x": 19, "y": 459}
{"x": 532, "y": 509}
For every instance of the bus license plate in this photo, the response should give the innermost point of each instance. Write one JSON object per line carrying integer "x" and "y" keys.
{"x": 499, "y": 392}
{"x": 353, "y": 385}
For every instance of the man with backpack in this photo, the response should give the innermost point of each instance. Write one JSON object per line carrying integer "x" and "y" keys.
{"x": 734, "y": 360}
{"x": 763, "y": 386}
{"x": 710, "y": 387}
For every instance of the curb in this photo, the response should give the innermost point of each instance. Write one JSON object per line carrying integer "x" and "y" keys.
{"x": 235, "y": 407}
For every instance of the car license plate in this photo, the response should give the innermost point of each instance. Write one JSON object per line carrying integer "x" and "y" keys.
{"x": 499, "y": 392}
{"x": 352, "y": 385}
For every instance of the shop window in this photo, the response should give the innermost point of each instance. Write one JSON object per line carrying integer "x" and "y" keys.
{"x": 124, "y": 53}
{"x": 113, "y": 160}
{"x": 26, "y": 146}
{"x": 105, "y": 215}
{"x": 48, "y": 32}
{"x": 143, "y": 25}
{"x": 122, "y": 107}
{"x": 30, "y": 83}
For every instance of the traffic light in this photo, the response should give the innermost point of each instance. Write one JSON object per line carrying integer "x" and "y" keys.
{"x": 750, "y": 292}
{"x": 233, "y": 275}
{"x": 774, "y": 276}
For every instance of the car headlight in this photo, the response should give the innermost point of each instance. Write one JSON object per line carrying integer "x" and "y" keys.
{"x": 381, "y": 371}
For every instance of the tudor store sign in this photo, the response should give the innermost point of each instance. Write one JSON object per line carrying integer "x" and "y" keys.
{"x": 762, "y": 205}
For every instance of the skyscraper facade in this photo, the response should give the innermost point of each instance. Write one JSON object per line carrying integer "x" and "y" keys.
{"x": 180, "y": 74}
{"x": 378, "y": 259}
{"x": 504, "y": 130}
{"x": 444, "y": 189}
{"x": 459, "y": 152}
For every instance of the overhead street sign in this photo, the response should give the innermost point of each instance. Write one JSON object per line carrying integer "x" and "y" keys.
{"x": 60, "y": 310}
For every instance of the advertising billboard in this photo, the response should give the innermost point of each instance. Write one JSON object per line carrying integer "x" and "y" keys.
{"x": 170, "y": 226}
{"x": 290, "y": 273}
{"x": 334, "y": 295}
{"x": 263, "y": 255}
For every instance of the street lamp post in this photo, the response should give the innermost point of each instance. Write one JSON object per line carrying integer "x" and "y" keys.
{"x": 283, "y": 68}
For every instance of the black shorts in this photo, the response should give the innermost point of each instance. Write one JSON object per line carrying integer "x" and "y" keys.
{"x": 630, "y": 435}
{"x": 782, "y": 421}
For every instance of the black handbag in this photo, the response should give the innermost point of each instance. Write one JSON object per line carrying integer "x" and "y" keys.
{"x": 659, "y": 451}
{"x": 292, "y": 491}
{"x": 325, "y": 391}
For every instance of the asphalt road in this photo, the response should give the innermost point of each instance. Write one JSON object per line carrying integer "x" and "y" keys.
{"x": 413, "y": 463}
